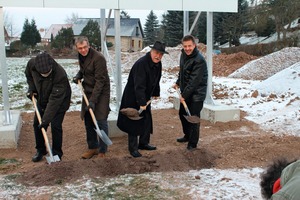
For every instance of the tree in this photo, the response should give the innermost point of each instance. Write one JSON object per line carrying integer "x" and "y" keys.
{"x": 230, "y": 26}
{"x": 124, "y": 15}
{"x": 172, "y": 26}
{"x": 30, "y": 36}
{"x": 63, "y": 39}
{"x": 151, "y": 29}
{"x": 284, "y": 12}
{"x": 92, "y": 31}
{"x": 9, "y": 25}
{"x": 72, "y": 19}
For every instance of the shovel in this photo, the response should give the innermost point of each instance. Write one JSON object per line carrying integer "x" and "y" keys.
{"x": 50, "y": 158}
{"x": 132, "y": 113}
{"x": 192, "y": 119}
{"x": 101, "y": 133}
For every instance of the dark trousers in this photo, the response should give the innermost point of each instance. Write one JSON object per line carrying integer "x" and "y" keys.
{"x": 92, "y": 137}
{"x": 191, "y": 131}
{"x": 143, "y": 138}
{"x": 57, "y": 134}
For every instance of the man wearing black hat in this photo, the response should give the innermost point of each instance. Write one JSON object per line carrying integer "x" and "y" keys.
{"x": 142, "y": 85}
{"x": 49, "y": 84}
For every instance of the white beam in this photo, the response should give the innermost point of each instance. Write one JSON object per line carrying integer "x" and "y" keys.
{"x": 180, "y": 5}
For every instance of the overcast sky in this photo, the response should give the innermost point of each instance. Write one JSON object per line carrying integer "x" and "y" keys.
{"x": 44, "y": 17}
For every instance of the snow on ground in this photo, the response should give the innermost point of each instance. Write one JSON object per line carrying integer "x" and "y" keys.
{"x": 273, "y": 103}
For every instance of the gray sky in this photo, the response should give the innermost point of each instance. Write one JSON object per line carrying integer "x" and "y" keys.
{"x": 44, "y": 17}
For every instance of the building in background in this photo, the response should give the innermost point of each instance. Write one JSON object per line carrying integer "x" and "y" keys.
{"x": 131, "y": 32}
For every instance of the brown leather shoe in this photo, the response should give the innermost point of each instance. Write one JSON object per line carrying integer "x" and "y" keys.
{"x": 101, "y": 155}
{"x": 90, "y": 153}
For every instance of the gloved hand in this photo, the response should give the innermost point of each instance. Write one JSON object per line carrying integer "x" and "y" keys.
{"x": 75, "y": 80}
{"x": 91, "y": 105}
{"x": 43, "y": 125}
{"x": 30, "y": 93}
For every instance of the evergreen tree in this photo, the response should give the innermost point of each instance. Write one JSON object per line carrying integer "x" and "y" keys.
{"x": 92, "y": 31}
{"x": 172, "y": 26}
{"x": 30, "y": 36}
{"x": 151, "y": 29}
{"x": 64, "y": 39}
{"x": 230, "y": 26}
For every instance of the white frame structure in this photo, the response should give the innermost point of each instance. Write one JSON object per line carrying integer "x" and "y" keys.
{"x": 178, "y": 5}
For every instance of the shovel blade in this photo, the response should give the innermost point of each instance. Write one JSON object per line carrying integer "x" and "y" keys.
{"x": 192, "y": 119}
{"x": 103, "y": 136}
{"x": 52, "y": 159}
{"x": 135, "y": 118}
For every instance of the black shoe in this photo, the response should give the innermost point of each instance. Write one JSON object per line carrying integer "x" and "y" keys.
{"x": 183, "y": 139}
{"x": 190, "y": 148}
{"x": 38, "y": 156}
{"x": 147, "y": 147}
{"x": 135, "y": 154}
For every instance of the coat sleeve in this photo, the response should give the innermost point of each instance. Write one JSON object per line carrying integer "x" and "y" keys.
{"x": 56, "y": 98}
{"x": 140, "y": 83}
{"x": 100, "y": 78}
{"x": 28, "y": 74}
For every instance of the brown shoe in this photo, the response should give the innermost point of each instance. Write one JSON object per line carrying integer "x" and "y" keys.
{"x": 90, "y": 153}
{"x": 101, "y": 155}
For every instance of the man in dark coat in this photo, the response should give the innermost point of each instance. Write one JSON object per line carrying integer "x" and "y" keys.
{"x": 142, "y": 85}
{"x": 96, "y": 84}
{"x": 49, "y": 84}
{"x": 192, "y": 81}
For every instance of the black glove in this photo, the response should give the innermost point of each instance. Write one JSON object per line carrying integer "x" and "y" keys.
{"x": 43, "y": 125}
{"x": 29, "y": 94}
{"x": 75, "y": 80}
{"x": 91, "y": 105}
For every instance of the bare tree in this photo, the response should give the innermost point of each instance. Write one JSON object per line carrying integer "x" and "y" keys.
{"x": 9, "y": 25}
{"x": 72, "y": 19}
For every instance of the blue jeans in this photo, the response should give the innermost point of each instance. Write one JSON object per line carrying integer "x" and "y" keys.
{"x": 92, "y": 137}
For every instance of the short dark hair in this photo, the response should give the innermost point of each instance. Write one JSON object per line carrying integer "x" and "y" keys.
{"x": 189, "y": 38}
{"x": 81, "y": 39}
{"x": 270, "y": 175}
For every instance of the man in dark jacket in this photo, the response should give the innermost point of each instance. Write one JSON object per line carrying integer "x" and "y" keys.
{"x": 49, "y": 84}
{"x": 192, "y": 81}
{"x": 96, "y": 84}
{"x": 142, "y": 85}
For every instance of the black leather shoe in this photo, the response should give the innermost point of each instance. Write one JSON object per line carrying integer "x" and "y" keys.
{"x": 183, "y": 139}
{"x": 38, "y": 156}
{"x": 135, "y": 154}
{"x": 190, "y": 148}
{"x": 147, "y": 147}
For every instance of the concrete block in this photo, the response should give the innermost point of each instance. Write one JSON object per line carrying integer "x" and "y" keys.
{"x": 9, "y": 134}
{"x": 114, "y": 131}
{"x": 215, "y": 113}
{"x": 220, "y": 113}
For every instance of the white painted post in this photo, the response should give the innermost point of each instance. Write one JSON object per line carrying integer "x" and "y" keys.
{"x": 7, "y": 119}
{"x": 185, "y": 22}
{"x": 209, "y": 51}
{"x": 118, "y": 57}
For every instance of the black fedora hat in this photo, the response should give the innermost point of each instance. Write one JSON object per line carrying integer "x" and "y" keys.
{"x": 158, "y": 46}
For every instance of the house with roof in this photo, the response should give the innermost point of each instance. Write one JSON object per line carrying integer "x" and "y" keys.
{"x": 131, "y": 32}
{"x": 53, "y": 30}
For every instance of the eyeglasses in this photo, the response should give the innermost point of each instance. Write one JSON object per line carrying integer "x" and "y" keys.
{"x": 82, "y": 48}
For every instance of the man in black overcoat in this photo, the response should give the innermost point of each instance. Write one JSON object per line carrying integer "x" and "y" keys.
{"x": 142, "y": 85}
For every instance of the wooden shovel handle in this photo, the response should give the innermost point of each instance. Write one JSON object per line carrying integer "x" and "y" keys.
{"x": 43, "y": 130}
{"x": 141, "y": 110}
{"x": 183, "y": 102}
{"x": 87, "y": 103}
